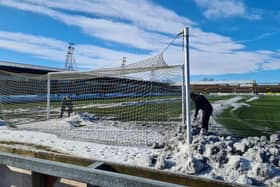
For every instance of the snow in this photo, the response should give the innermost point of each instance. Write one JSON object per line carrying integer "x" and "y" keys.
{"x": 246, "y": 161}
{"x": 249, "y": 161}
{"x": 221, "y": 105}
{"x": 85, "y": 127}
{"x": 233, "y": 103}
{"x": 252, "y": 99}
{"x": 236, "y": 106}
{"x": 121, "y": 154}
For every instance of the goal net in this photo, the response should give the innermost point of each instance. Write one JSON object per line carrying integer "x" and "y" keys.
{"x": 149, "y": 90}
{"x": 23, "y": 98}
{"x": 144, "y": 96}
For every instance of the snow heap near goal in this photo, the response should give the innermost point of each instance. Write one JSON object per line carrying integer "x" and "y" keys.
{"x": 87, "y": 128}
{"x": 249, "y": 161}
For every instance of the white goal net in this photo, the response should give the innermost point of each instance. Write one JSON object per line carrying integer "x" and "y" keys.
{"x": 130, "y": 101}
{"x": 136, "y": 92}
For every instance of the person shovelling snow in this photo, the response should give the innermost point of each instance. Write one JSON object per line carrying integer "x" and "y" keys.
{"x": 202, "y": 103}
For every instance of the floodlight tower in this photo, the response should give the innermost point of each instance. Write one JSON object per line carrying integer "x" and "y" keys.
{"x": 123, "y": 62}
{"x": 123, "y": 65}
{"x": 70, "y": 60}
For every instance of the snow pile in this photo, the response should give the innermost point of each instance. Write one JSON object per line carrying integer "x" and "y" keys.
{"x": 253, "y": 160}
{"x": 81, "y": 119}
{"x": 249, "y": 161}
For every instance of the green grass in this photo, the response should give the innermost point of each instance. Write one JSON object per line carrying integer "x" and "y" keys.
{"x": 261, "y": 118}
{"x": 217, "y": 98}
{"x": 169, "y": 111}
{"x": 125, "y": 99}
{"x": 13, "y": 106}
{"x": 263, "y": 112}
{"x": 147, "y": 112}
{"x": 236, "y": 125}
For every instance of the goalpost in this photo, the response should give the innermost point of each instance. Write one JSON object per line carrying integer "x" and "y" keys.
{"x": 147, "y": 92}
{"x": 186, "y": 84}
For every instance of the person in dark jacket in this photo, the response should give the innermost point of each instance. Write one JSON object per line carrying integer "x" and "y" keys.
{"x": 201, "y": 103}
{"x": 66, "y": 105}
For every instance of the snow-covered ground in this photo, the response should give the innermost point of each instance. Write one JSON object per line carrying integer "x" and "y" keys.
{"x": 249, "y": 161}
{"x": 254, "y": 160}
{"x": 86, "y": 127}
{"x": 122, "y": 154}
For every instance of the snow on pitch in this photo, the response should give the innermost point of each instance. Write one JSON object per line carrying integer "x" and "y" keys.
{"x": 253, "y": 160}
{"x": 122, "y": 154}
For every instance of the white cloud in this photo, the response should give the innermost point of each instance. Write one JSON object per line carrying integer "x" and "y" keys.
{"x": 274, "y": 64}
{"x": 211, "y": 42}
{"x": 36, "y": 45}
{"x": 144, "y": 14}
{"x": 109, "y": 30}
{"x": 87, "y": 56}
{"x": 221, "y": 63}
{"x": 128, "y": 34}
{"x": 142, "y": 25}
{"x": 214, "y": 9}
{"x": 272, "y": 61}
{"x": 224, "y": 63}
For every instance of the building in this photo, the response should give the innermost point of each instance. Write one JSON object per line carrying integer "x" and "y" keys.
{"x": 242, "y": 86}
{"x": 13, "y": 67}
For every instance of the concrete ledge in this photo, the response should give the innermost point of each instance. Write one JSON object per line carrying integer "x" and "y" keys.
{"x": 78, "y": 173}
{"x": 147, "y": 173}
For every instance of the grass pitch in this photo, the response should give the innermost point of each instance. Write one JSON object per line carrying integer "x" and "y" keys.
{"x": 141, "y": 109}
{"x": 262, "y": 117}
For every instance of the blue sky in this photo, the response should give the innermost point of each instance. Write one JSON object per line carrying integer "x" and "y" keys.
{"x": 229, "y": 39}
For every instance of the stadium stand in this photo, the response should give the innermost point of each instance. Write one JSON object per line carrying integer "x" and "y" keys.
{"x": 206, "y": 87}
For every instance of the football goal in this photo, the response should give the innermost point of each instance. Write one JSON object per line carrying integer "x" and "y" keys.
{"x": 146, "y": 92}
